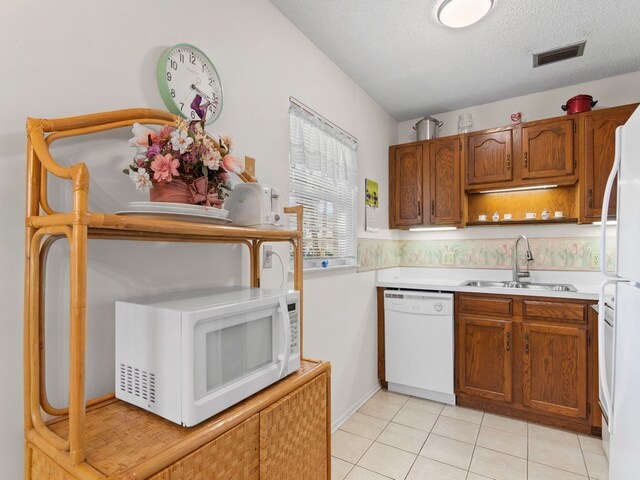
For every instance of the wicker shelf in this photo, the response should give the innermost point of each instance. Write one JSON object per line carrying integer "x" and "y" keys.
{"x": 105, "y": 437}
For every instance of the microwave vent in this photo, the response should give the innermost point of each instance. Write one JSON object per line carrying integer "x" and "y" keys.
{"x": 138, "y": 383}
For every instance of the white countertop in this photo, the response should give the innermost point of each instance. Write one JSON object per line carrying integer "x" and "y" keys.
{"x": 451, "y": 280}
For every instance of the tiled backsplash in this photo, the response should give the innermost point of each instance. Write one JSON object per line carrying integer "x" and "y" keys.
{"x": 561, "y": 253}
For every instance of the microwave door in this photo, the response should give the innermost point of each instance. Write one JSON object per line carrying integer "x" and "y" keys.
{"x": 231, "y": 357}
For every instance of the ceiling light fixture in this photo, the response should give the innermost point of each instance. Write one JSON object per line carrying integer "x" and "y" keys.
{"x": 462, "y": 13}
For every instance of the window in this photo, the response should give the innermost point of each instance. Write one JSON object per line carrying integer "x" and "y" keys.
{"x": 322, "y": 176}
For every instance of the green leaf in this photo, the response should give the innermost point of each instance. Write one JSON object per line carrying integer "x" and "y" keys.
{"x": 125, "y": 171}
{"x": 205, "y": 170}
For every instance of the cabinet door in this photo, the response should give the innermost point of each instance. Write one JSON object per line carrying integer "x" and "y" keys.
{"x": 554, "y": 377}
{"x": 445, "y": 187}
{"x": 489, "y": 158}
{"x": 234, "y": 454}
{"x": 484, "y": 357}
{"x": 547, "y": 150}
{"x": 294, "y": 434}
{"x": 598, "y": 142}
{"x": 405, "y": 186}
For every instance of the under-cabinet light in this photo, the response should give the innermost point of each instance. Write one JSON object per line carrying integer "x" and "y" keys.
{"x": 609, "y": 222}
{"x": 520, "y": 189}
{"x": 431, "y": 229}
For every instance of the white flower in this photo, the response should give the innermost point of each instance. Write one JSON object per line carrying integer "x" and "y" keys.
{"x": 180, "y": 140}
{"x": 141, "y": 179}
{"x": 212, "y": 159}
{"x": 141, "y": 136}
{"x": 227, "y": 140}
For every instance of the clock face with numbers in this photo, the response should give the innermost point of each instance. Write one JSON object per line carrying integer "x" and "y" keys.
{"x": 184, "y": 72}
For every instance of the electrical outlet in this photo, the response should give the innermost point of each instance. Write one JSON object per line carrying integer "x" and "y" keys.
{"x": 267, "y": 259}
{"x": 448, "y": 258}
{"x": 595, "y": 260}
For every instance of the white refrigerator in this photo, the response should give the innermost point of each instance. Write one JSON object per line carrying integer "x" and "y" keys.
{"x": 620, "y": 381}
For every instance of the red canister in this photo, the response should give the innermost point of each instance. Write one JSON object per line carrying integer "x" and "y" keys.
{"x": 579, "y": 104}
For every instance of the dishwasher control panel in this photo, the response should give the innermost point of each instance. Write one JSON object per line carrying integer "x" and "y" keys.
{"x": 424, "y": 303}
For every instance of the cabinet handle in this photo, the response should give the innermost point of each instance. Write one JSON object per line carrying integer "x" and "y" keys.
{"x": 419, "y": 209}
{"x": 590, "y": 198}
{"x": 508, "y": 341}
{"x": 526, "y": 160}
{"x": 508, "y": 161}
{"x": 526, "y": 343}
{"x": 433, "y": 207}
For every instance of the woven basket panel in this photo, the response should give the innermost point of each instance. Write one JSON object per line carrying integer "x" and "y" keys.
{"x": 43, "y": 468}
{"x": 120, "y": 436}
{"x": 293, "y": 435}
{"x": 232, "y": 456}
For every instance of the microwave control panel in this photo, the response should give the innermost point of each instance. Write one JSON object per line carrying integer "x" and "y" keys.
{"x": 292, "y": 309}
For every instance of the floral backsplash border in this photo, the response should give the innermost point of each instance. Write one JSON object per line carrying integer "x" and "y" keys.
{"x": 374, "y": 254}
{"x": 563, "y": 253}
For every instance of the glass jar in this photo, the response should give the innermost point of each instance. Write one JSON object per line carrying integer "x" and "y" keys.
{"x": 465, "y": 123}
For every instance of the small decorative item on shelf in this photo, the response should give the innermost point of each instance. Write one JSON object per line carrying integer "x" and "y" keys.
{"x": 183, "y": 164}
{"x": 495, "y": 217}
{"x": 516, "y": 117}
{"x": 545, "y": 214}
{"x": 507, "y": 216}
{"x": 465, "y": 123}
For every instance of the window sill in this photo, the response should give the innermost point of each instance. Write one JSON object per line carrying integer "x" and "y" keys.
{"x": 326, "y": 269}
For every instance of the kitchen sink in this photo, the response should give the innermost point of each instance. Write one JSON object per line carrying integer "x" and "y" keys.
{"x": 554, "y": 287}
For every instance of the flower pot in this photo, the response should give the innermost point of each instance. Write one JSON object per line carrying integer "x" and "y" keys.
{"x": 179, "y": 191}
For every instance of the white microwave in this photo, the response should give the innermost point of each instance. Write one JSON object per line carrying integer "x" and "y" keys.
{"x": 188, "y": 356}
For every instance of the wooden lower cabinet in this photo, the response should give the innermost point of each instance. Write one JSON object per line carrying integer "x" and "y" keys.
{"x": 484, "y": 357}
{"x": 534, "y": 358}
{"x": 554, "y": 369}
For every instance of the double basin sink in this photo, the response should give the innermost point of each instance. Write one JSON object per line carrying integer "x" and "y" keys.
{"x": 553, "y": 287}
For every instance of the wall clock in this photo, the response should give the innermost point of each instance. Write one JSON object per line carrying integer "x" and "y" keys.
{"x": 184, "y": 71}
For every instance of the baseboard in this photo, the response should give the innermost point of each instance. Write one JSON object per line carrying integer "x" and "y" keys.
{"x": 337, "y": 423}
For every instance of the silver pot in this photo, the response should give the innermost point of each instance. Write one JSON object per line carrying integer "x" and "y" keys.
{"x": 427, "y": 128}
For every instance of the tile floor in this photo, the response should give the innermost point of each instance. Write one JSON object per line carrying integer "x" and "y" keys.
{"x": 401, "y": 437}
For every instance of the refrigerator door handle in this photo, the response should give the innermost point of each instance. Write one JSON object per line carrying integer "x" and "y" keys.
{"x": 605, "y": 206}
{"x": 607, "y": 387}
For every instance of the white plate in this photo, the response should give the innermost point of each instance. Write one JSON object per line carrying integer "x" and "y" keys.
{"x": 181, "y": 217}
{"x": 177, "y": 208}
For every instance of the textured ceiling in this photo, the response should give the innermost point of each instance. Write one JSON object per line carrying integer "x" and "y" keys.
{"x": 398, "y": 52}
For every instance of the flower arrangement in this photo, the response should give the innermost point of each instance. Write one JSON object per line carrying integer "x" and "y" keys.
{"x": 183, "y": 164}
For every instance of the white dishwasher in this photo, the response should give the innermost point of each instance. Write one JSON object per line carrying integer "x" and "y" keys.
{"x": 418, "y": 332}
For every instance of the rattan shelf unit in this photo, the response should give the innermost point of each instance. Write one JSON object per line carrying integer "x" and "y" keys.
{"x": 281, "y": 432}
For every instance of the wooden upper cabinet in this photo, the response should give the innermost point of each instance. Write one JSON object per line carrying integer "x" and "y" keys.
{"x": 598, "y": 130}
{"x": 405, "y": 186}
{"x": 547, "y": 149}
{"x": 484, "y": 349}
{"x": 554, "y": 376}
{"x": 445, "y": 181}
{"x": 490, "y": 158}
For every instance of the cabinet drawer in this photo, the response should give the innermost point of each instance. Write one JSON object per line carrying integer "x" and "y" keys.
{"x": 561, "y": 311}
{"x": 482, "y": 305}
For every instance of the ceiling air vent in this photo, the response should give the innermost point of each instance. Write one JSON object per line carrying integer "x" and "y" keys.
{"x": 558, "y": 54}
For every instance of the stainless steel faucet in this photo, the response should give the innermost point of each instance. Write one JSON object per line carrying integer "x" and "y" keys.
{"x": 517, "y": 274}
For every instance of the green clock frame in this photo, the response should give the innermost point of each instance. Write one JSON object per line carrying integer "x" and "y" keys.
{"x": 163, "y": 84}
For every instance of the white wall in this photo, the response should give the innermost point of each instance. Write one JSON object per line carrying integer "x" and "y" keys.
{"x": 73, "y": 57}
{"x": 609, "y": 92}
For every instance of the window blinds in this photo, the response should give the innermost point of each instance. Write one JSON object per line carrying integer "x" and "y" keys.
{"x": 322, "y": 175}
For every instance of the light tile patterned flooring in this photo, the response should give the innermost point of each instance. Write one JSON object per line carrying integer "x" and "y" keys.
{"x": 401, "y": 437}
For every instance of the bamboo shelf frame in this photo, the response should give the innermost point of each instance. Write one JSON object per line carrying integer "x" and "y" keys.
{"x": 44, "y": 226}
